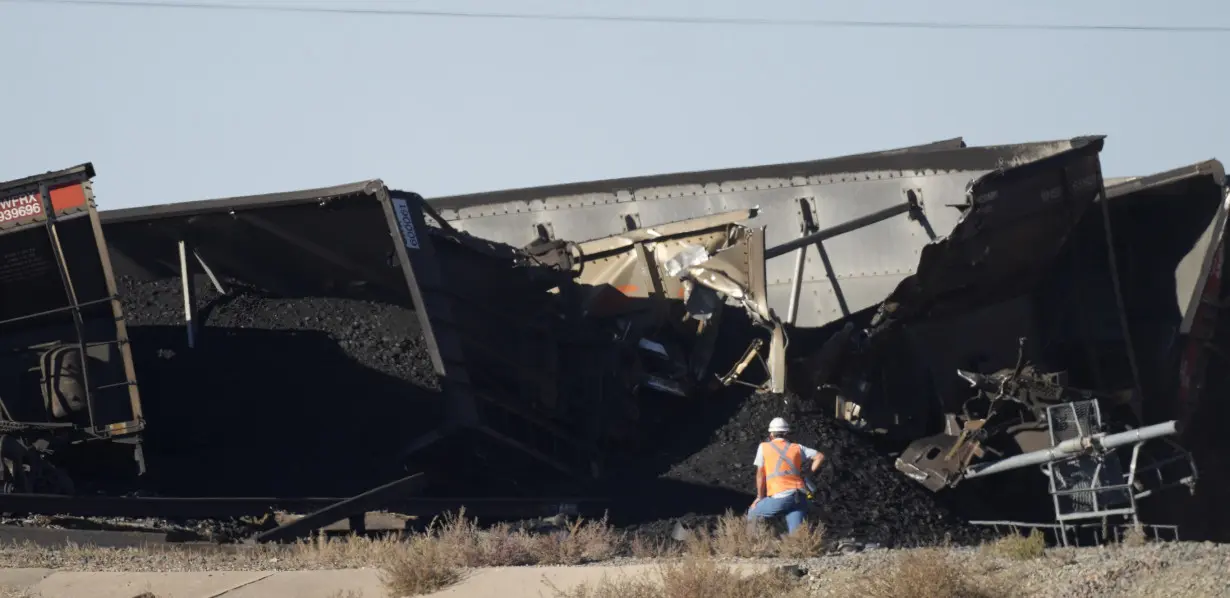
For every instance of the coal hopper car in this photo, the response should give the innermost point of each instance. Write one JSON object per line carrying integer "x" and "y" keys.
{"x": 68, "y": 396}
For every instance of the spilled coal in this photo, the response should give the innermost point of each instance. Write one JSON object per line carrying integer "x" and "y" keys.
{"x": 289, "y": 397}
{"x": 860, "y": 494}
{"x": 316, "y": 396}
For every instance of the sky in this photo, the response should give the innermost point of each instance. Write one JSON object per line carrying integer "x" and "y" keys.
{"x": 183, "y": 104}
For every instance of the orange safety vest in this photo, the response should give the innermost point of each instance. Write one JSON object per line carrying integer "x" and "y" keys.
{"x": 783, "y": 466}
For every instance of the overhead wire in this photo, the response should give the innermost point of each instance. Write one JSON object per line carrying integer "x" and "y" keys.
{"x": 627, "y": 19}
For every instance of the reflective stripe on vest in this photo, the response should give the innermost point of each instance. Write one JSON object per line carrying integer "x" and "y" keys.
{"x": 782, "y": 469}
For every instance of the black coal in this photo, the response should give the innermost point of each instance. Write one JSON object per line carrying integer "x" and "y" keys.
{"x": 280, "y": 396}
{"x": 316, "y": 396}
{"x": 860, "y": 494}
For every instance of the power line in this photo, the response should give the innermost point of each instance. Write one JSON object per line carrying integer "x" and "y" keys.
{"x": 599, "y": 18}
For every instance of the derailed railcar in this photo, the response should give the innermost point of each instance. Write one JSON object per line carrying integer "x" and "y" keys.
{"x": 521, "y": 375}
{"x": 1053, "y": 360}
{"x": 868, "y": 215}
{"x": 67, "y": 381}
{"x": 535, "y": 351}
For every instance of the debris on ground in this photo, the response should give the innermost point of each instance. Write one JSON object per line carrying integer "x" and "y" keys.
{"x": 860, "y": 494}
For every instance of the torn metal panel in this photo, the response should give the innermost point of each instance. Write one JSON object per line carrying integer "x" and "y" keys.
{"x": 1013, "y": 224}
{"x": 970, "y": 292}
{"x": 737, "y": 273}
{"x": 638, "y": 263}
{"x": 843, "y": 275}
{"x": 668, "y": 284}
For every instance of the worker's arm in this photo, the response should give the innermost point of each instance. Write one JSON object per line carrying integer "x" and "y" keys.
{"x": 816, "y": 461}
{"x": 761, "y": 485}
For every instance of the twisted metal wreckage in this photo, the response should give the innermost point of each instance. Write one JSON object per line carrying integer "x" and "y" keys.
{"x": 1076, "y": 311}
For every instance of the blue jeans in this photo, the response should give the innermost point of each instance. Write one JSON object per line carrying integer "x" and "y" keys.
{"x": 794, "y": 507}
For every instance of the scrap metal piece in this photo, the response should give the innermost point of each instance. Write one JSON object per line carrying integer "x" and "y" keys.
{"x": 374, "y": 499}
{"x": 749, "y": 355}
{"x": 1081, "y": 445}
{"x": 738, "y": 271}
{"x": 926, "y": 461}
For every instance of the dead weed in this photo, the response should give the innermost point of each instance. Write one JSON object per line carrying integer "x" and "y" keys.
{"x": 1018, "y": 547}
{"x": 1134, "y": 536}
{"x": 423, "y": 567}
{"x": 734, "y": 536}
{"x": 928, "y": 572}
{"x": 435, "y": 559}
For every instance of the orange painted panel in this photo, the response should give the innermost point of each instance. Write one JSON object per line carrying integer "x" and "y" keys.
{"x": 65, "y": 198}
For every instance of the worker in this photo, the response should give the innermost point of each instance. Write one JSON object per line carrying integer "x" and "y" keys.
{"x": 780, "y": 486}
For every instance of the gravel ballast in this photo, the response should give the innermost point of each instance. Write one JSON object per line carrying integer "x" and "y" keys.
{"x": 1151, "y": 571}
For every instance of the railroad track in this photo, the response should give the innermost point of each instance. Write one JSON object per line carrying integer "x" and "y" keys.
{"x": 397, "y": 496}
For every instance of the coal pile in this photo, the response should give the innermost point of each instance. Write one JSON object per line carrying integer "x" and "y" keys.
{"x": 860, "y": 494}
{"x": 281, "y": 396}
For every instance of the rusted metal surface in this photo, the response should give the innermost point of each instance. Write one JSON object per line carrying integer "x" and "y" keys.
{"x": 68, "y": 369}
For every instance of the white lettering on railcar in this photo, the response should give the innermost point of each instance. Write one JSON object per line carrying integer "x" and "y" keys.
{"x": 408, "y": 235}
{"x": 19, "y": 208}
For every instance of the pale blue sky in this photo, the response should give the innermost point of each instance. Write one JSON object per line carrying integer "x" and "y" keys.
{"x": 175, "y": 105}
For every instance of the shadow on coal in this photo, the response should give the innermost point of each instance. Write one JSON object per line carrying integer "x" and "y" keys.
{"x": 270, "y": 413}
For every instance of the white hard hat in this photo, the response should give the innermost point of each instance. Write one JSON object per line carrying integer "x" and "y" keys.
{"x": 778, "y": 425}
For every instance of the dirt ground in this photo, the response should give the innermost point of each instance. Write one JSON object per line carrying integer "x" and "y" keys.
{"x": 1149, "y": 570}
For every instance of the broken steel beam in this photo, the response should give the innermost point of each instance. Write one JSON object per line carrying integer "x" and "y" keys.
{"x": 1074, "y": 447}
{"x": 374, "y": 499}
{"x": 839, "y": 229}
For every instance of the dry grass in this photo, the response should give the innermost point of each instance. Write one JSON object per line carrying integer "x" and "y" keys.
{"x": 424, "y": 567}
{"x": 691, "y": 577}
{"x": 644, "y": 548}
{"x": 806, "y": 541}
{"x": 1018, "y": 547}
{"x": 437, "y": 558}
{"x": 1134, "y": 536}
{"x": 469, "y": 545}
{"x": 733, "y": 536}
{"x": 928, "y": 572}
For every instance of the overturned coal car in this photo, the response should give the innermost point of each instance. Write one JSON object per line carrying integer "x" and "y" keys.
{"x": 1053, "y": 341}
{"x": 880, "y": 288}
{"x": 931, "y": 264}
{"x": 68, "y": 391}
